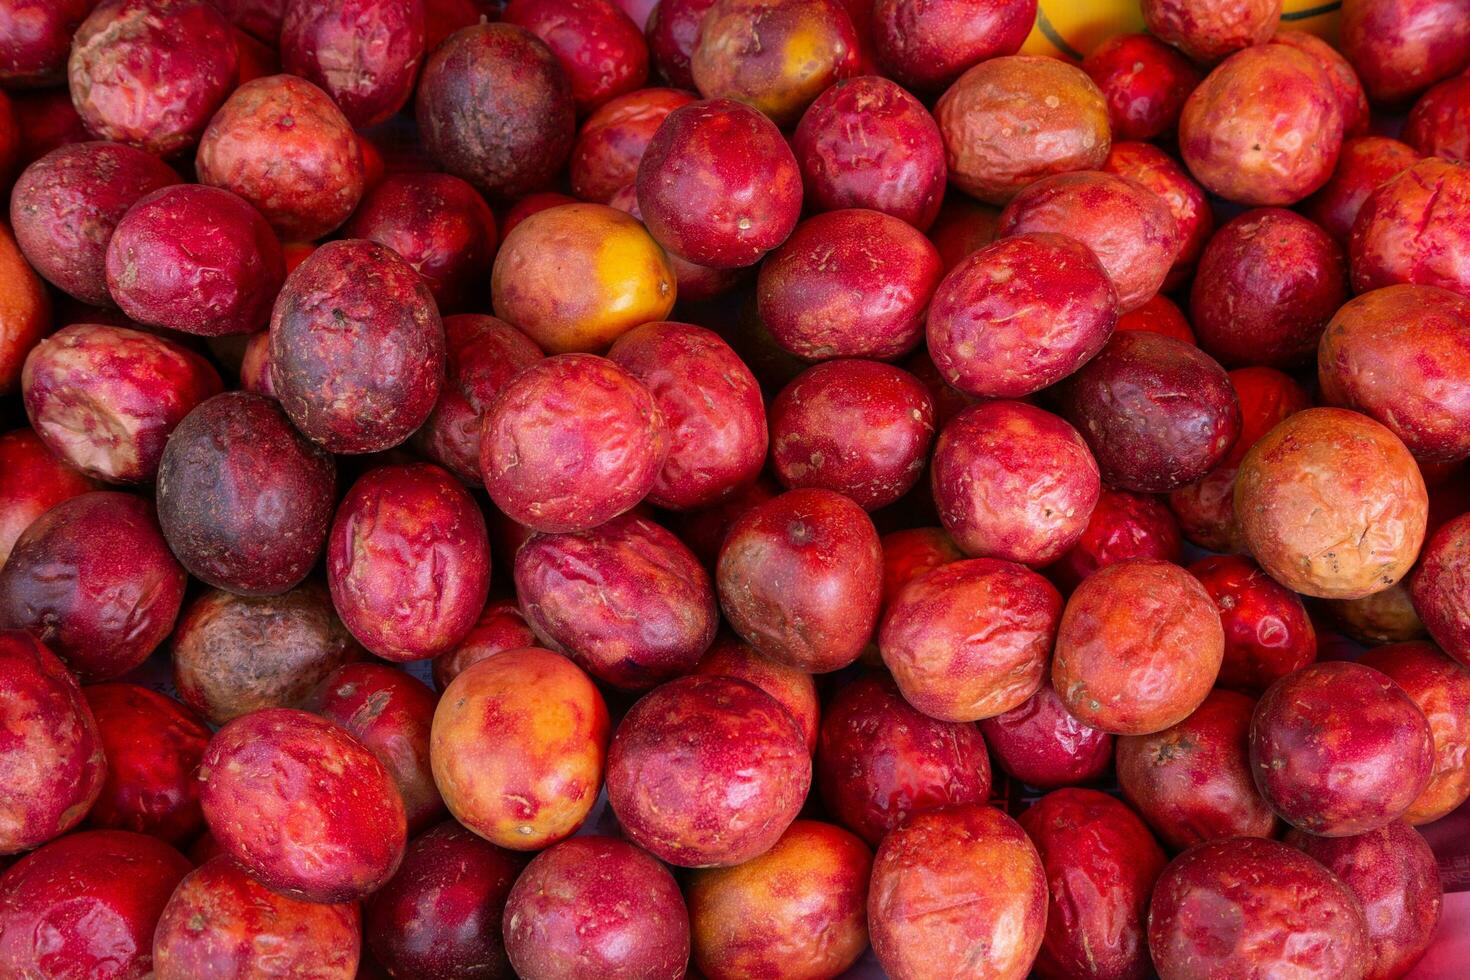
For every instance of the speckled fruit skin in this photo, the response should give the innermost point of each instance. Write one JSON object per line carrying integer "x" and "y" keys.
{"x": 1123, "y": 525}
{"x": 1393, "y": 874}
{"x": 1157, "y": 413}
{"x": 518, "y": 746}
{"x": 1128, "y": 227}
{"x": 438, "y": 918}
{"x": 718, "y": 184}
{"x": 850, "y": 283}
{"x": 571, "y": 442}
{"x": 244, "y": 500}
{"x": 867, "y": 143}
{"x": 1411, "y": 229}
{"x": 302, "y": 805}
{"x": 1400, "y": 47}
{"x": 1441, "y": 588}
{"x": 1020, "y": 314}
{"x": 1439, "y": 124}
{"x": 578, "y": 276}
{"x": 879, "y": 759}
{"x": 927, "y": 47}
{"x": 1264, "y": 128}
{"x": 1266, "y": 286}
{"x": 1161, "y": 173}
{"x": 798, "y": 911}
{"x": 1041, "y": 743}
{"x": 707, "y": 772}
{"x": 1365, "y": 163}
{"x": 408, "y": 561}
{"x": 233, "y": 655}
{"x": 1441, "y": 689}
{"x": 598, "y": 46}
{"x": 86, "y": 906}
{"x": 494, "y": 106}
{"x": 611, "y": 142}
{"x": 153, "y": 745}
{"x": 104, "y": 399}
{"x": 626, "y": 600}
{"x": 52, "y": 762}
{"x": 1015, "y": 482}
{"x": 800, "y": 577}
{"x": 1208, "y": 30}
{"x": 222, "y": 922}
{"x": 357, "y": 348}
{"x": 32, "y": 481}
{"x": 101, "y": 610}
{"x": 712, "y": 408}
{"x": 1340, "y": 749}
{"x": 1267, "y": 631}
{"x": 1253, "y": 907}
{"x": 1145, "y": 83}
{"x": 36, "y": 37}
{"x": 1192, "y": 781}
{"x": 1321, "y": 480}
{"x": 1401, "y": 355}
{"x": 1138, "y": 648}
{"x": 363, "y": 53}
{"x": 1012, "y": 120}
{"x": 150, "y": 73}
{"x": 501, "y": 627}
{"x": 439, "y": 225}
{"x": 672, "y": 30}
{"x": 1100, "y": 863}
{"x": 596, "y": 906}
{"x": 919, "y": 925}
{"x": 283, "y": 145}
{"x": 389, "y": 712}
{"x": 793, "y": 689}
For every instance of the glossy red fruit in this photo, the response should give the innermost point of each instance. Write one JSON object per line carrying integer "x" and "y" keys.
{"x": 32, "y": 481}
{"x": 1267, "y": 631}
{"x": 1043, "y": 744}
{"x": 1145, "y": 82}
{"x": 600, "y": 49}
{"x": 1365, "y": 163}
{"x": 925, "y": 47}
{"x": 1123, "y": 525}
{"x": 611, "y": 142}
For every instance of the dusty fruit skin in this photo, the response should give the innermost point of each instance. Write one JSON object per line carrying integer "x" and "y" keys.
{"x": 1157, "y": 413}
{"x": 244, "y": 500}
{"x": 1145, "y": 83}
{"x": 518, "y": 746}
{"x": 893, "y": 164}
{"x": 596, "y": 906}
{"x": 571, "y": 442}
{"x": 32, "y": 481}
{"x": 302, "y": 805}
{"x": 35, "y": 37}
{"x": 357, "y": 348}
{"x": 679, "y": 753}
{"x": 440, "y": 225}
{"x": 609, "y": 276}
{"x": 1410, "y": 230}
{"x": 1122, "y": 526}
{"x": 918, "y": 928}
{"x": 1324, "y": 479}
{"x": 1439, "y": 124}
{"x": 1192, "y": 781}
{"x": 1263, "y": 128}
{"x": 283, "y": 145}
{"x": 1365, "y": 163}
{"x": 363, "y": 53}
{"x": 1155, "y": 169}
{"x": 718, "y": 184}
{"x": 1248, "y": 906}
{"x": 1401, "y": 355}
{"x": 612, "y": 140}
{"x": 52, "y": 761}
{"x": 627, "y": 601}
{"x": 1020, "y": 314}
{"x": 408, "y": 561}
{"x": 87, "y": 905}
{"x": 1393, "y": 874}
{"x": 1339, "y": 749}
{"x": 1441, "y": 588}
{"x": 1267, "y": 631}
{"x": 599, "y": 47}
{"x": 439, "y": 916}
{"x": 101, "y": 610}
{"x": 1208, "y": 30}
{"x": 926, "y": 47}
{"x": 879, "y": 759}
{"x": 220, "y": 921}
{"x": 389, "y": 712}
{"x": 153, "y": 745}
{"x": 1040, "y": 743}
{"x": 1441, "y": 689}
{"x": 800, "y": 578}
{"x": 711, "y": 405}
{"x": 233, "y": 655}
{"x": 150, "y": 73}
{"x": 65, "y": 206}
{"x": 25, "y": 310}
{"x": 1012, "y": 120}
{"x": 798, "y": 911}
{"x": 495, "y": 107}
{"x": 793, "y": 689}
{"x": 1138, "y": 648}
{"x": 1400, "y": 47}
{"x": 1100, "y": 863}
{"x": 501, "y": 627}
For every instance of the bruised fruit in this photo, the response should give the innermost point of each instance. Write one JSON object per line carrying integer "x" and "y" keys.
{"x": 363, "y": 53}
{"x": 1156, "y": 170}
{"x": 1208, "y": 30}
{"x": 926, "y": 46}
{"x": 793, "y": 689}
